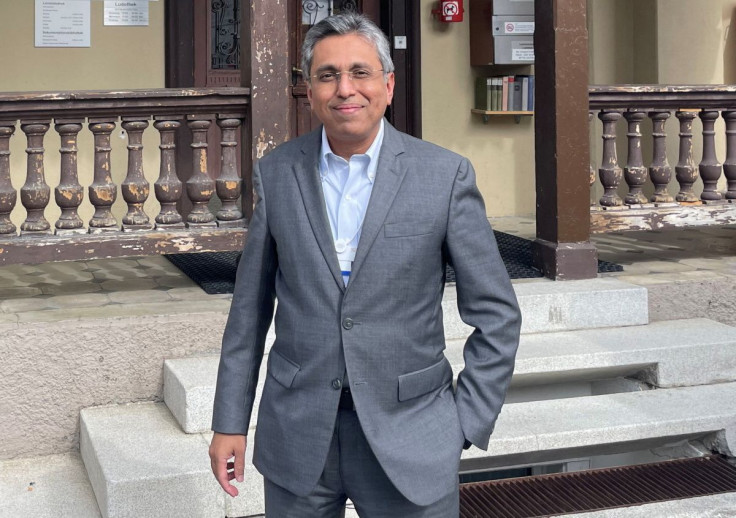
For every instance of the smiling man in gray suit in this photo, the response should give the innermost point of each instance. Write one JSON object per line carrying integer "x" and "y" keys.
{"x": 352, "y": 230}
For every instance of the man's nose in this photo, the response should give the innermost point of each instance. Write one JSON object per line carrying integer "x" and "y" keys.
{"x": 345, "y": 86}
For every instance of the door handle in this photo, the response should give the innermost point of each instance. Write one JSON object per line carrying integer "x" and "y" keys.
{"x": 296, "y": 72}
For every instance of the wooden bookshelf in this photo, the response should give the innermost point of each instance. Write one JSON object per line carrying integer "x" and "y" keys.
{"x": 487, "y": 114}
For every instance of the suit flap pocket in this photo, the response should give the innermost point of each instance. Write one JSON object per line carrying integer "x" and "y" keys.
{"x": 282, "y": 369}
{"x": 417, "y": 383}
{"x": 407, "y": 228}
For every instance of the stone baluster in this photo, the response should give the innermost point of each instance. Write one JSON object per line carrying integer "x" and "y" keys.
{"x": 610, "y": 173}
{"x": 660, "y": 171}
{"x": 135, "y": 188}
{"x": 592, "y": 165}
{"x": 35, "y": 193}
{"x": 8, "y": 195}
{"x": 729, "y": 166}
{"x": 200, "y": 186}
{"x": 229, "y": 183}
{"x": 102, "y": 192}
{"x": 710, "y": 168}
{"x": 635, "y": 173}
{"x": 685, "y": 170}
{"x": 168, "y": 187}
{"x": 69, "y": 193}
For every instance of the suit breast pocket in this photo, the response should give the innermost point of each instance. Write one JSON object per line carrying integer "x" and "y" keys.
{"x": 408, "y": 228}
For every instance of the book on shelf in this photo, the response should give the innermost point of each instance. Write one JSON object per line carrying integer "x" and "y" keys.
{"x": 531, "y": 93}
{"x": 482, "y": 93}
{"x": 497, "y": 87}
{"x": 516, "y": 106}
{"x": 505, "y": 93}
{"x": 524, "y": 93}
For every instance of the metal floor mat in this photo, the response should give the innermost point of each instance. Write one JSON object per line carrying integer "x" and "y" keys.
{"x": 594, "y": 490}
{"x": 215, "y": 271}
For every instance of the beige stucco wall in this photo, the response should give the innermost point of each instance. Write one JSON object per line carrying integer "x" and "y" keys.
{"x": 501, "y": 151}
{"x": 119, "y": 58}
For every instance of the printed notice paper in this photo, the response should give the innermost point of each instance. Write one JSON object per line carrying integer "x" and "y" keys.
{"x": 62, "y": 23}
{"x": 126, "y": 12}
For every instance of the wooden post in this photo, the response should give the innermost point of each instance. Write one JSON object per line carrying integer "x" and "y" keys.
{"x": 562, "y": 249}
{"x": 266, "y": 69}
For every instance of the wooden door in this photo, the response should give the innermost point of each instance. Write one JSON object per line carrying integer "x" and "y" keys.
{"x": 303, "y": 15}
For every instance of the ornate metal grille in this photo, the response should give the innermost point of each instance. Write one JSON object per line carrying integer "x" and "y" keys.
{"x": 314, "y": 11}
{"x": 225, "y": 29}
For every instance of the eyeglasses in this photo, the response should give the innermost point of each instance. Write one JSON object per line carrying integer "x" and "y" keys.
{"x": 358, "y": 74}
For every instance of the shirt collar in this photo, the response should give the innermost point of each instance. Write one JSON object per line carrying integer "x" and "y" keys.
{"x": 372, "y": 153}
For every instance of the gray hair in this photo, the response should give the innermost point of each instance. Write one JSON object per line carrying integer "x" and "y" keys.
{"x": 341, "y": 24}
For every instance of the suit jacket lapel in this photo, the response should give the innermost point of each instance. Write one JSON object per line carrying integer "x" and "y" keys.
{"x": 306, "y": 171}
{"x": 389, "y": 175}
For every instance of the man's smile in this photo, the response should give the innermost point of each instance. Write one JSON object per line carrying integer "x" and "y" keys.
{"x": 348, "y": 108}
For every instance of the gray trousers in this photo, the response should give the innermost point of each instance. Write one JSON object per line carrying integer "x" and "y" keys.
{"x": 352, "y": 471}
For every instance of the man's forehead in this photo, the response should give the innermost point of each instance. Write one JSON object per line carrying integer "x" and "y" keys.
{"x": 335, "y": 47}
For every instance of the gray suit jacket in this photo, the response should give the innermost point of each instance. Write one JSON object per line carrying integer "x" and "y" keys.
{"x": 385, "y": 327}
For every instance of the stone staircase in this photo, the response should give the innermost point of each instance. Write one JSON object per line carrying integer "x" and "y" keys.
{"x": 593, "y": 380}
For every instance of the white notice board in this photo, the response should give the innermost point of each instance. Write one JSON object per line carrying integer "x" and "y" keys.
{"x": 62, "y": 23}
{"x": 126, "y": 12}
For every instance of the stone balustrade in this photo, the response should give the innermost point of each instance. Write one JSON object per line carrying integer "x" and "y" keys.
{"x": 198, "y": 209}
{"x": 641, "y": 197}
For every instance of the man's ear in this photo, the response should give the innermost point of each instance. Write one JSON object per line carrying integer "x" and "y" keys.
{"x": 309, "y": 93}
{"x": 390, "y": 80}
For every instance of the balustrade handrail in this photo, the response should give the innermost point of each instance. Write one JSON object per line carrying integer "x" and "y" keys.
{"x": 100, "y": 103}
{"x": 642, "y": 97}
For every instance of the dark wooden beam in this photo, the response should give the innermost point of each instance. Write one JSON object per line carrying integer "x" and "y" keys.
{"x": 649, "y": 217}
{"x": 562, "y": 249}
{"x": 43, "y": 249}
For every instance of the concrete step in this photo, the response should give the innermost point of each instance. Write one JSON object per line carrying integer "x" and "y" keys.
{"x": 565, "y": 306}
{"x": 539, "y": 432}
{"x": 140, "y": 461}
{"x": 53, "y": 486}
{"x": 141, "y": 464}
{"x": 664, "y": 354}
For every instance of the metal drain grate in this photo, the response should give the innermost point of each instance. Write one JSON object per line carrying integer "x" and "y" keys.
{"x": 549, "y": 495}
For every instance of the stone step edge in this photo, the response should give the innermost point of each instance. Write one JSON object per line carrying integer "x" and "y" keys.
{"x": 189, "y": 383}
{"x": 526, "y": 433}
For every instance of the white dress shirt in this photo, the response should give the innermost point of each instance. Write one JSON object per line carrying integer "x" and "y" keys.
{"x": 347, "y": 187}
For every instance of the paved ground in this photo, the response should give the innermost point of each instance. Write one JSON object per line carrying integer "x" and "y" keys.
{"x": 84, "y": 289}
{"x": 109, "y": 287}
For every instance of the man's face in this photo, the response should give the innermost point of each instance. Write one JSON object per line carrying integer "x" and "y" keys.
{"x": 350, "y": 109}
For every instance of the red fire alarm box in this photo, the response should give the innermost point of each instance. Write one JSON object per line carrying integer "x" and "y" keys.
{"x": 449, "y": 10}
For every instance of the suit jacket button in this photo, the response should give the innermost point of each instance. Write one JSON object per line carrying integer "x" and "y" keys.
{"x": 347, "y": 323}
{"x": 337, "y": 384}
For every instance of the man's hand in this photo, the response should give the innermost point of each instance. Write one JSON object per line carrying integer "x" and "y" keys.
{"x": 222, "y": 448}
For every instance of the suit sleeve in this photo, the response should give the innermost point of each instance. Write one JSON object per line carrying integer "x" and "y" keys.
{"x": 250, "y": 317}
{"x": 487, "y": 302}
